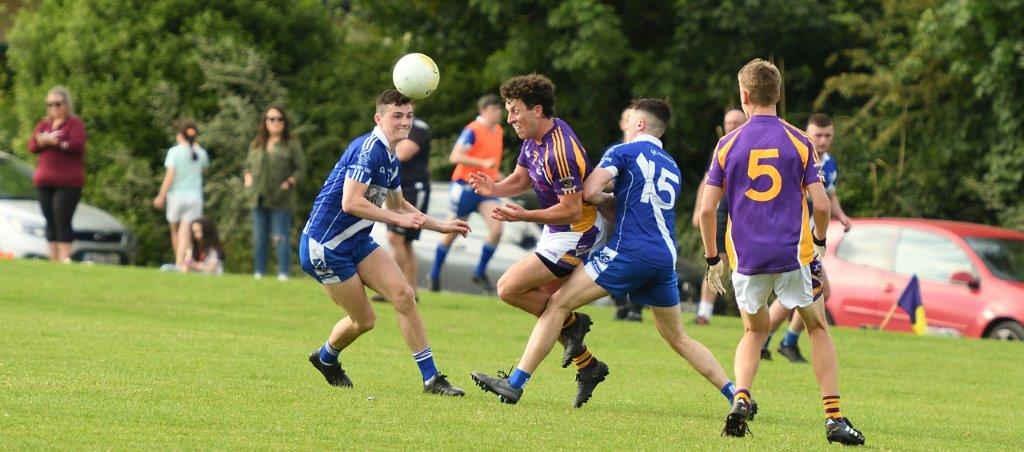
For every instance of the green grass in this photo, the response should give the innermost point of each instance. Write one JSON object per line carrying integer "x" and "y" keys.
{"x": 102, "y": 357}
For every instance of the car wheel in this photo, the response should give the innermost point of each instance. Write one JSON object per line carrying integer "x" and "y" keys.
{"x": 1007, "y": 330}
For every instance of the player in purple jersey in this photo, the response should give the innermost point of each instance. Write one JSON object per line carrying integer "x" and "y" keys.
{"x": 554, "y": 163}
{"x": 764, "y": 169}
{"x": 336, "y": 248}
{"x": 639, "y": 258}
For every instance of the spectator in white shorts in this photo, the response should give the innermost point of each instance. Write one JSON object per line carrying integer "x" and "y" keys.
{"x": 182, "y": 189}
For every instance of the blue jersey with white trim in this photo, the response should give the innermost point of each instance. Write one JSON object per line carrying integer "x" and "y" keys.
{"x": 829, "y": 171}
{"x": 366, "y": 160}
{"x": 647, "y": 183}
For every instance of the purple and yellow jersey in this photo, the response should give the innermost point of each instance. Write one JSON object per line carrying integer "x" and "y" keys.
{"x": 764, "y": 166}
{"x": 558, "y": 164}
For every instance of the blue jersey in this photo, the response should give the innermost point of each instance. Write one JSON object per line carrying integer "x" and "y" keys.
{"x": 647, "y": 183}
{"x": 829, "y": 172}
{"x": 366, "y": 160}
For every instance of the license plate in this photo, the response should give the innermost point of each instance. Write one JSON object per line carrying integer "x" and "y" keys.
{"x": 102, "y": 258}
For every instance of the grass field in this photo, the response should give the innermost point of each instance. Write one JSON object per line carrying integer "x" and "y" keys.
{"x": 103, "y": 357}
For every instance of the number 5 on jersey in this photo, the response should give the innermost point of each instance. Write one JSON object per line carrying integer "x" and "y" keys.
{"x": 648, "y": 168}
{"x": 757, "y": 169}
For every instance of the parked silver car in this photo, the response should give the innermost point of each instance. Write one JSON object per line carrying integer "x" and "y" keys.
{"x": 98, "y": 237}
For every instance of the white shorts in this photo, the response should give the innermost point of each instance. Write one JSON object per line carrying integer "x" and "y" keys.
{"x": 567, "y": 249}
{"x": 184, "y": 209}
{"x": 792, "y": 289}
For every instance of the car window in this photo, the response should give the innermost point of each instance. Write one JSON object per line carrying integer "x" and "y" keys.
{"x": 930, "y": 256}
{"x": 15, "y": 180}
{"x": 1003, "y": 257}
{"x": 522, "y": 234}
{"x": 870, "y": 246}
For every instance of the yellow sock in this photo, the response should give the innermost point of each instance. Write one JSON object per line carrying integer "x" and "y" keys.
{"x": 832, "y": 407}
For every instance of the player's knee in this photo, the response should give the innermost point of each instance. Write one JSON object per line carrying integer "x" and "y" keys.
{"x": 404, "y": 298}
{"x": 506, "y": 290}
{"x": 366, "y": 323}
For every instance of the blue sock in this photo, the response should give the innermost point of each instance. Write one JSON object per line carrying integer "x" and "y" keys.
{"x": 439, "y": 255}
{"x": 518, "y": 378}
{"x": 425, "y": 360}
{"x": 767, "y": 341}
{"x": 328, "y": 355}
{"x": 485, "y": 257}
{"x": 790, "y": 339}
{"x": 729, "y": 391}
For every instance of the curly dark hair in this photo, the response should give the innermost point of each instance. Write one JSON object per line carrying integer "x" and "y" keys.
{"x": 210, "y": 239}
{"x": 533, "y": 89}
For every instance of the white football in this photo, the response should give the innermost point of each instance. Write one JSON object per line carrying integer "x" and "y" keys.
{"x": 416, "y": 75}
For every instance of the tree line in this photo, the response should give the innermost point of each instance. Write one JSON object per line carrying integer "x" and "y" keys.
{"x": 925, "y": 94}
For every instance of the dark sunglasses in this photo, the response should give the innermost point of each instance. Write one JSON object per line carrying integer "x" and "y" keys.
{"x": 54, "y": 104}
{"x": 275, "y": 119}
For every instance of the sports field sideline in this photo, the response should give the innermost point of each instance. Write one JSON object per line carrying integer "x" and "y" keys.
{"x": 105, "y": 357}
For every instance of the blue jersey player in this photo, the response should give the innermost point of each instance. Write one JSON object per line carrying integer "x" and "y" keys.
{"x": 638, "y": 259}
{"x": 336, "y": 248}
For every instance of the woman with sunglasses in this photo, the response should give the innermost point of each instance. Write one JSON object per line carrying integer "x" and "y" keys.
{"x": 59, "y": 140}
{"x": 273, "y": 169}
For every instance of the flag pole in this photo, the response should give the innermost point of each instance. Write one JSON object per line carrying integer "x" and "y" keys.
{"x": 888, "y": 315}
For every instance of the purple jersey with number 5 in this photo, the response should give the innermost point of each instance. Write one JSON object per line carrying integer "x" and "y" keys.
{"x": 764, "y": 166}
{"x": 557, "y": 164}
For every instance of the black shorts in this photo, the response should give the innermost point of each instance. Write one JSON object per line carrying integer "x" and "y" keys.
{"x": 557, "y": 270}
{"x": 418, "y": 194}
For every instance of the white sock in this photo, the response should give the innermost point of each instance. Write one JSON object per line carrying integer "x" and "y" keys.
{"x": 706, "y": 309}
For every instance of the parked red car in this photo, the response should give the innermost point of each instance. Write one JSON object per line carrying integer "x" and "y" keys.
{"x": 971, "y": 275}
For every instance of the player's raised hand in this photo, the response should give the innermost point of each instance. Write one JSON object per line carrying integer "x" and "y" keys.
{"x": 482, "y": 184}
{"x": 714, "y": 275}
{"x": 508, "y": 212}
{"x": 456, "y": 225}
{"x": 411, "y": 220}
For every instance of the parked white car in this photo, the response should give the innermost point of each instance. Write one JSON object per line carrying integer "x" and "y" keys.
{"x": 98, "y": 236}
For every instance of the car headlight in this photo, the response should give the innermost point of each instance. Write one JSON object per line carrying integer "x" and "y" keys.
{"x": 27, "y": 227}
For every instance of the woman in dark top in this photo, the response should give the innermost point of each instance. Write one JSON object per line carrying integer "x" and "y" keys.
{"x": 59, "y": 139}
{"x": 274, "y": 167}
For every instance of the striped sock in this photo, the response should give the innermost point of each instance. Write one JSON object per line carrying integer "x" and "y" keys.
{"x": 744, "y": 395}
{"x": 425, "y": 361}
{"x": 569, "y": 320}
{"x": 518, "y": 378}
{"x": 832, "y": 407}
{"x": 328, "y": 354}
{"x": 729, "y": 391}
{"x": 583, "y": 359}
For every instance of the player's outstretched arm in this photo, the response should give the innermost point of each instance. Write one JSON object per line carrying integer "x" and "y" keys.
{"x": 837, "y": 211}
{"x": 396, "y": 202}
{"x": 568, "y": 210}
{"x": 516, "y": 183}
{"x": 354, "y": 202}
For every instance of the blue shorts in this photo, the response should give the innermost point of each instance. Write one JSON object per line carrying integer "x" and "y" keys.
{"x": 644, "y": 283}
{"x": 463, "y": 200}
{"x": 334, "y": 266}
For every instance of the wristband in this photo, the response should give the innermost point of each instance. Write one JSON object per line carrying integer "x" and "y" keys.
{"x": 712, "y": 261}
{"x": 818, "y": 242}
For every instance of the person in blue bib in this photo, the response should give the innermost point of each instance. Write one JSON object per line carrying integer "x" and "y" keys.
{"x": 336, "y": 248}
